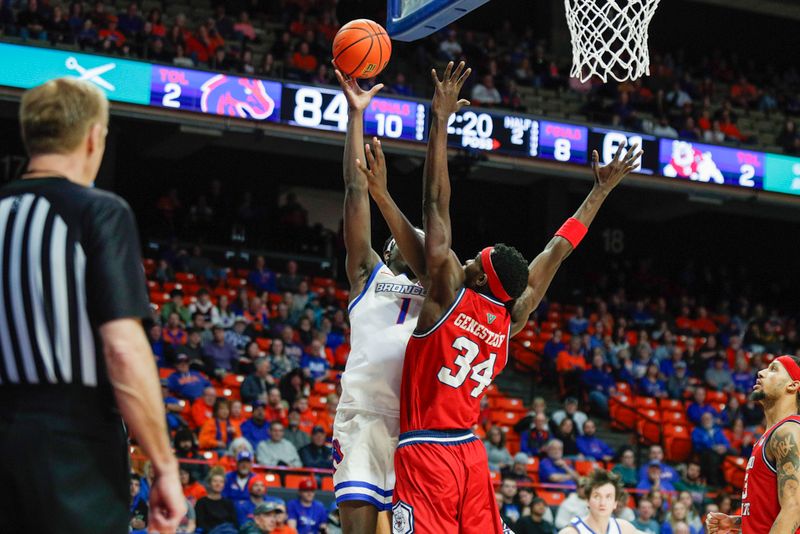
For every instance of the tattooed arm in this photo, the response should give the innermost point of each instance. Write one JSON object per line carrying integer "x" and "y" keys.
{"x": 783, "y": 450}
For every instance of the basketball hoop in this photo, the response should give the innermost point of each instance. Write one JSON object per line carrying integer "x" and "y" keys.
{"x": 609, "y": 38}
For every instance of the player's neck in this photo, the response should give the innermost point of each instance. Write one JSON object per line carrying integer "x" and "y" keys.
{"x": 779, "y": 410}
{"x": 69, "y": 166}
{"x": 598, "y": 524}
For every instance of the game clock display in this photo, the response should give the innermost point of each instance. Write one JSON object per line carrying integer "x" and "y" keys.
{"x": 326, "y": 108}
{"x": 476, "y": 129}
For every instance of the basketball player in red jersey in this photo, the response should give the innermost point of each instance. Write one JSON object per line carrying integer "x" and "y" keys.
{"x": 771, "y": 493}
{"x": 461, "y": 343}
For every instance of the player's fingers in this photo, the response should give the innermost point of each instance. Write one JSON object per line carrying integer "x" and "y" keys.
{"x": 435, "y": 77}
{"x": 363, "y": 168}
{"x": 448, "y": 70}
{"x": 374, "y": 90}
{"x": 632, "y": 151}
{"x": 464, "y": 77}
{"x": 619, "y": 150}
{"x": 457, "y": 72}
{"x": 381, "y": 159}
{"x": 339, "y": 76}
{"x": 463, "y": 102}
{"x": 370, "y": 157}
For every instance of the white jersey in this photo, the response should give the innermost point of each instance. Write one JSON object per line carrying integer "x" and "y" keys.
{"x": 582, "y": 528}
{"x": 382, "y": 319}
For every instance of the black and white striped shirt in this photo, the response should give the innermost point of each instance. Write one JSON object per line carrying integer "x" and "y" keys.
{"x": 69, "y": 262}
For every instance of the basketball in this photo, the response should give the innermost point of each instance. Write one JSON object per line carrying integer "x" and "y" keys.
{"x": 361, "y": 49}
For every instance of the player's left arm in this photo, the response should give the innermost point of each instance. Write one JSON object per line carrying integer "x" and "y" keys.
{"x": 544, "y": 267}
{"x": 411, "y": 244}
{"x": 785, "y": 455}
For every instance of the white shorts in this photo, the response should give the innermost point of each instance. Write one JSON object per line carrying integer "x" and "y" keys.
{"x": 363, "y": 457}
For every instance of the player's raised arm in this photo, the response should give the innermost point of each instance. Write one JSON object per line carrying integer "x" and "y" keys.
{"x": 719, "y": 523}
{"x": 445, "y": 275}
{"x": 544, "y": 267}
{"x": 783, "y": 448}
{"x": 410, "y": 242}
{"x": 361, "y": 258}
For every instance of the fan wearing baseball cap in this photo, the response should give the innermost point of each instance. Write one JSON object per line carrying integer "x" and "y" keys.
{"x": 306, "y": 514}
{"x": 237, "y": 482}
{"x": 265, "y": 519}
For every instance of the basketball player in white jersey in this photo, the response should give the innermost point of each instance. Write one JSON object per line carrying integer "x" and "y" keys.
{"x": 385, "y": 301}
{"x": 603, "y": 489}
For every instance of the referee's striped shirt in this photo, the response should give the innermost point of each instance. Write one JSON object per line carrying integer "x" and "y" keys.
{"x": 69, "y": 262}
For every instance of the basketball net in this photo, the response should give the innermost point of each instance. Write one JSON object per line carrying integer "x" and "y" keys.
{"x": 609, "y": 38}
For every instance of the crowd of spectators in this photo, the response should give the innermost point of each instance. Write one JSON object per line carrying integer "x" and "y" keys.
{"x": 694, "y": 100}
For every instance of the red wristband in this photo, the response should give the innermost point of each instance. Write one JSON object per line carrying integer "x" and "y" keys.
{"x": 573, "y": 231}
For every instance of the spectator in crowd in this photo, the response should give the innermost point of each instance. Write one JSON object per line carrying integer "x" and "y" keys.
{"x": 741, "y": 440}
{"x": 554, "y": 469}
{"x": 326, "y": 418}
{"x": 693, "y": 484}
{"x": 710, "y": 443}
{"x": 296, "y": 435}
{"x": 570, "y": 411}
{"x": 203, "y": 407}
{"x": 570, "y": 366}
{"x": 222, "y": 355}
{"x": 626, "y": 468}
{"x": 518, "y": 470}
{"x": 651, "y": 384}
{"x": 256, "y": 429}
{"x": 175, "y": 305}
{"x": 599, "y": 382}
{"x": 173, "y": 333}
{"x": 218, "y": 432}
{"x": 58, "y": 29}
{"x": 237, "y": 482}
{"x": 496, "y": 449}
{"x": 743, "y": 377}
{"x": 567, "y": 434}
{"x": 303, "y": 62}
{"x": 31, "y": 22}
{"x": 314, "y": 363}
{"x": 237, "y": 337}
{"x": 535, "y": 523}
{"x": 678, "y": 382}
{"x": 306, "y": 514}
{"x": 172, "y": 407}
{"x": 214, "y": 510}
{"x": 400, "y": 86}
{"x": 656, "y": 454}
{"x": 693, "y": 518}
{"x": 653, "y": 479}
{"x": 718, "y": 376}
{"x": 788, "y": 138}
{"x": 699, "y": 406}
{"x": 277, "y": 451}
{"x": 264, "y": 521}
{"x": 485, "y": 93}
{"x": 449, "y": 49}
{"x": 204, "y": 305}
{"x": 534, "y": 439}
{"x": 192, "y": 489}
{"x": 184, "y": 382}
{"x": 664, "y": 128}
{"x": 677, "y": 516}
{"x": 552, "y": 348}
{"x": 575, "y": 505}
{"x": 275, "y": 409}
{"x": 243, "y": 29}
{"x": 592, "y": 447}
{"x": 279, "y": 360}
{"x": 290, "y": 280}
{"x": 261, "y": 278}
{"x": 645, "y": 518}
{"x": 578, "y": 324}
{"x": 317, "y": 454}
{"x": 194, "y": 349}
{"x": 714, "y": 134}
{"x": 509, "y": 507}
{"x": 257, "y": 383}
{"x": 743, "y": 93}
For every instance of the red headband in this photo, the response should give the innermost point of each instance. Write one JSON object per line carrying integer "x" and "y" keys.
{"x": 790, "y": 366}
{"x": 494, "y": 281}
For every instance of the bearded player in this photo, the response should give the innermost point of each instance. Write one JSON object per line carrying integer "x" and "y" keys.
{"x": 461, "y": 342}
{"x": 771, "y": 493}
{"x": 604, "y": 490}
{"x": 385, "y": 302}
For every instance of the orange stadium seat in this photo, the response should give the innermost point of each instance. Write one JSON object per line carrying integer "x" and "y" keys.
{"x": 624, "y": 388}
{"x": 505, "y": 403}
{"x": 508, "y": 418}
{"x": 317, "y": 402}
{"x": 716, "y": 397}
{"x": 674, "y": 418}
{"x": 552, "y": 498}
{"x": 264, "y": 343}
{"x": 322, "y": 281}
{"x": 236, "y": 282}
{"x": 646, "y": 403}
{"x": 648, "y": 426}
{"x": 733, "y": 469}
{"x": 242, "y": 273}
{"x": 185, "y": 278}
{"x": 622, "y": 412}
{"x": 672, "y": 405}
{"x": 584, "y": 467}
{"x": 327, "y": 484}
{"x": 677, "y": 443}
{"x": 324, "y": 388}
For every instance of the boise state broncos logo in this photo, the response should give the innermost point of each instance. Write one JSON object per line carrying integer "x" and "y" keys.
{"x": 236, "y": 97}
{"x": 402, "y": 518}
{"x": 338, "y": 455}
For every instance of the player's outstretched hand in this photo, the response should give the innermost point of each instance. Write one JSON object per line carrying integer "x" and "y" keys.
{"x": 445, "y": 98}
{"x": 357, "y": 98}
{"x": 717, "y": 523}
{"x": 609, "y": 176}
{"x": 167, "y": 503}
{"x": 376, "y": 173}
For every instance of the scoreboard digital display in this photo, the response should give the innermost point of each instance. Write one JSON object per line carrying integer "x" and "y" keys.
{"x": 606, "y": 142}
{"x": 326, "y": 108}
{"x": 711, "y": 164}
{"x": 509, "y": 134}
{"x": 563, "y": 142}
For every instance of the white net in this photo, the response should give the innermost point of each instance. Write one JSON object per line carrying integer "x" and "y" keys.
{"x": 609, "y": 38}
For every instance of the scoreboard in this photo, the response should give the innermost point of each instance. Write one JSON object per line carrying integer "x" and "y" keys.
{"x": 315, "y": 107}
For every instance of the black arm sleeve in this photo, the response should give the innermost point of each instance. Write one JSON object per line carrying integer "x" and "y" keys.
{"x": 115, "y": 282}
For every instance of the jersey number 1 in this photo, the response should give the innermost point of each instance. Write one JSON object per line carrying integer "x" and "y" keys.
{"x": 481, "y": 373}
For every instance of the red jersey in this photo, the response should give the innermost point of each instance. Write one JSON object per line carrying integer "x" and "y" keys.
{"x": 448, "y": 368}
{"x": 760, "y": 505}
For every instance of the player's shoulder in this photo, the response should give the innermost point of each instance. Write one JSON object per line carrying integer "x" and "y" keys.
{"x": 569, "y": 529}
{"x": 783, "y": 441}
{"x": 105, "y": 201}
{"x": 626, "y": 527}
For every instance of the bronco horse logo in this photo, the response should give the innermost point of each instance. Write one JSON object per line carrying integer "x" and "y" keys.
{"x": 236, "y": 97}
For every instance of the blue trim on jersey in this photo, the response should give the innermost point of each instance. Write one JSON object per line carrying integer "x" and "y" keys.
{"x": 436, "y": 437}
{"x": 367, "y": 485}
{"x": 366, "y": 287}
{"x": 444, "y": 317}
{"x": 491, "y": 299}
{"x": 382, "y": 507}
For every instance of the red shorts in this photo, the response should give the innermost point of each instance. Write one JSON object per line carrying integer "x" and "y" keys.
{"x": 443, "y": 485}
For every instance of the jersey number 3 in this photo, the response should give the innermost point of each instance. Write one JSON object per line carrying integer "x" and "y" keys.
{"x": 468, "y": 350}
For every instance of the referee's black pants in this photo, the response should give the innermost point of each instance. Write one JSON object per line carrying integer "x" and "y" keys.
{"x": 63, "y": 462}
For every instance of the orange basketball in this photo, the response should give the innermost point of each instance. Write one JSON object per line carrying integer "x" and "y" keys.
{"x": 361, "y": 49}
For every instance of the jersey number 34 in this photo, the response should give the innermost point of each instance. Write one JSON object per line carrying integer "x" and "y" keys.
{"x": 468, "y": 350}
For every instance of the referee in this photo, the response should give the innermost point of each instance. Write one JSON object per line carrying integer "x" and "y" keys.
{"x": 75, "y": 361}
